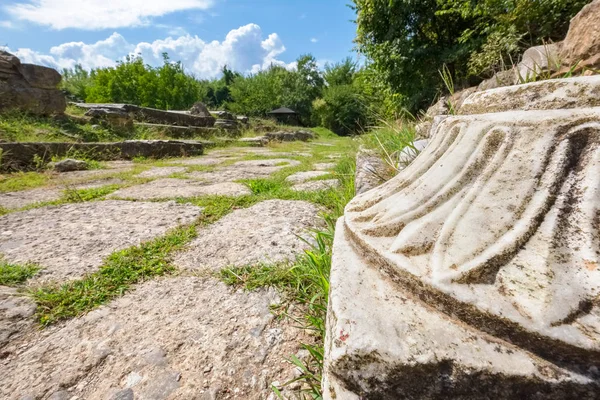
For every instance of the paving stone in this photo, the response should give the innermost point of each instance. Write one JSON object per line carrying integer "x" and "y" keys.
{"x": 173, "y": 188}
{"x": 324, "y": 166}
{"x": 23, "y": 198}
{"x": 249, "y": 169}
{"x": 265, "y": 232}
{"x": 304, "y": 176}
{"x": 315, "y": 186}
{"x": 160, "y": 172}
{"x": 72, "y": 239}
{"x": 208, "y": 335}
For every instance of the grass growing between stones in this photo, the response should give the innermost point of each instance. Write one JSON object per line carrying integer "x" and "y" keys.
{"x": 119, "y": 271}
{"x": 304, "y": 282}
{"x": 15, "y": 274}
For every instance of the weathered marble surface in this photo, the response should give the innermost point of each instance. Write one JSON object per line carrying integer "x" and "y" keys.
{"x": 494, "y": 231}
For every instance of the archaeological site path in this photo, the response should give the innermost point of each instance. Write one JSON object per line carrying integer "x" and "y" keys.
{"x": 125, "y": 297}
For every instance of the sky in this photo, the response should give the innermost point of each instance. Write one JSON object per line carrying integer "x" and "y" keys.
{"x": 246, "y": 35}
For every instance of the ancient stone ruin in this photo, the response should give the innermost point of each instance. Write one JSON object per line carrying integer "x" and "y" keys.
{"x": 474, "y": 272}
{"x": 28, "y": 87}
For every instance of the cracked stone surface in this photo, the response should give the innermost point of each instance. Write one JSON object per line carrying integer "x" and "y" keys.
{"x": 160, "y": 172}
{"x": 304, "y": 176}
{"x": 71, "y": 240}
{"x": 315, "y": 186}
{"x": 173, "y": 188}
{"x": 266, "y": 232}
{"x": 176, "y": 338}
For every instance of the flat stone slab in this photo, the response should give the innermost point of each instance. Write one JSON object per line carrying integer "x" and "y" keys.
{"x": 71, "y": 240}
{"x": 315, "y": 186}
{"x": 249, "y": 169}
{"x": 23, "y": 198}
{"x": 181, "y": 337}
{"x": 202, "y": 161}
{"x": 16, "y": 311}
{"x": 264, "y": 233}
{"x": 324, "y": 166}
{"x": 304, "y": 176}
{"x": 173, "y": 188}
{"x": 160, "y": 172}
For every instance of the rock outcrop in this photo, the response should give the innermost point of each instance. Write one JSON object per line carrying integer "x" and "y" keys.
{"x": 582, "y": 44}
{"x": 29, "y": 88}
{"x": 474, "y": 273}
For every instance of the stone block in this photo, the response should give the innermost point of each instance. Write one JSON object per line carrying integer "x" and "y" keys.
{"x": 474, "y": 272}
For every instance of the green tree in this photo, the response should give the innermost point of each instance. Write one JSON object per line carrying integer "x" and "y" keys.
{"x": 408, "y": 41}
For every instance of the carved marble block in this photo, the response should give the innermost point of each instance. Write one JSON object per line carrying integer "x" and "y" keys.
{"x": 474, "y": 273}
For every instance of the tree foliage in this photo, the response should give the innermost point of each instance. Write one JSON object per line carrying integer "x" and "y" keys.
{"x": 408, "y": 41}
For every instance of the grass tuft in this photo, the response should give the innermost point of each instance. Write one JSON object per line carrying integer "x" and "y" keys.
{"x": 15, "y": 274}
{"x": 119, "y": 272}
{"x": 304, "y": 282}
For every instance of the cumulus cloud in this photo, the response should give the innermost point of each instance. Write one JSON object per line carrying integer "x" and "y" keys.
{"x": 314, "y": 40}
{"x": 98, "y": 14}
{"x": 244, "y": 49}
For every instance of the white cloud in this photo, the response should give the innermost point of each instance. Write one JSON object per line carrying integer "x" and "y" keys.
{"x": 314, "y": 40}
{"x": 243, "y": 49}
{"x": 99, "y": 14}
{"x": 7, "y": 24}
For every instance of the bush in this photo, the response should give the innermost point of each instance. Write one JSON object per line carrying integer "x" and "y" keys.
{"x": 341, "y": 109}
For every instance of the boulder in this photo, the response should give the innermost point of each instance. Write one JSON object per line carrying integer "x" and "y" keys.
{"x": 29, "y": 88}
{"x": 539, "y": 59}
{"x": 68, "y": 165}
{"x": 583, "y": 38}
{"x": 474, "y": 273}
{"x": 199, "y": 108}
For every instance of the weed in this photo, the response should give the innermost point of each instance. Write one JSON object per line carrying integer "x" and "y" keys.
{"x": 119, "y": 271}
{"x": 14, "y": 274}
{"x": 21, "y": 181}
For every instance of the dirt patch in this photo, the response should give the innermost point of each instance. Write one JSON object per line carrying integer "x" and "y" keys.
{"x": 265, "y": 232}
{"x": 315, "y": 186}
{"x": 304, "y": 176}
{"x": 160, "y": 172}
{"x": 173, "y": 188}
{"x": 178, "y": 338}
{"x": 71, "y": 240}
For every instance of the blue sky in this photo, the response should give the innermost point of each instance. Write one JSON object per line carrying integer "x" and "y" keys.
{"x": 204, "y": 34}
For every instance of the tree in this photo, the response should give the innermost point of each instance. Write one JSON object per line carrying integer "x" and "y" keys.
{"x": 409, "y": 41}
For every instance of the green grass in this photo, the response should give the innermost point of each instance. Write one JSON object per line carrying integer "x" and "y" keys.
{"x": 21, "y": 181}
{"x": 82, "y": 195}
{"x": 15, "y": 274}
{"x": 119, "y": 271}
{"x": 306, "y": 283}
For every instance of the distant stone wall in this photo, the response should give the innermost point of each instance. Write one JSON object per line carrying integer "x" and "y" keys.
{"x": 26, "y": 156}
{"x": 30, "y": 88}
{"x": 154, "y": 116}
